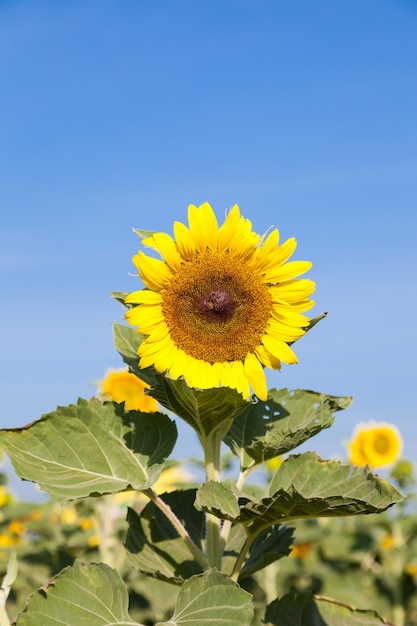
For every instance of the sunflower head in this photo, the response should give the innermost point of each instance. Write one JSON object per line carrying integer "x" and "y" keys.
{"x": 220, "y": 304}
{"x": 123, "y": 386}
{"x": 375, "y": 444}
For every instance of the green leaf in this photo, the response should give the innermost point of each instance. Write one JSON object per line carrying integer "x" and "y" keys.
{"x": 211, "y": 598}
{"x": 270, "y": 545}
{"x": 91, "y": 448}
{"x": 154, "y": 546}
{"x": 283, "y": 422}
{"x": 82, "y": 595}
{"x": 306, "y": 486}
{"x": 204, "y": 410}
{"x": 306, "y": 610}
{"x": 214, "y": 497}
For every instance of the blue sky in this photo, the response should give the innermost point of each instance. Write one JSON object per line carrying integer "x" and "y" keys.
{"x": 117, "y": 115}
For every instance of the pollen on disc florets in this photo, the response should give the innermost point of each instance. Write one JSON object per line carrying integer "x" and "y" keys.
{"x": 216, "y": 308}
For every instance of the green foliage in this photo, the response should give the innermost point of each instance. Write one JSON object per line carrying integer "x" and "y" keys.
{"x": 219, "y": 552}
{"x": 306, "y": 610}
{"x": 91, "y": 448}
{"x": 286, "y": 420}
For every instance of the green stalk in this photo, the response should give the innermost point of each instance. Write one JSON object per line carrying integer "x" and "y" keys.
{"x": 179, "y": 527}
{"x": 211, "y": 446}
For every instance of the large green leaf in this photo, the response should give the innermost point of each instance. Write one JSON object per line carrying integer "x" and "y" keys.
{"x": 154, "y": 546}
{"x": 211, "y": 598}
{"x": 91, "y": 448}
{"x": 204, "y": 410}
{"x": 82, "y": 595}
{"x": 307, "y": 610}
{"x": 283, "y": 422}
{"x": 306, "y": 486}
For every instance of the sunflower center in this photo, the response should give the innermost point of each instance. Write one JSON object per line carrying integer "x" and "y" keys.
{"x": 216, "y": 307}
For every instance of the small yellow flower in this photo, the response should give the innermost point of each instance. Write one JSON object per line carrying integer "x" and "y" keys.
{"x": 387, "y": 541}
{"x": 69, "y": 515}
{"x": 6, "y": 541}
{"x": 16, "y": 527}
{"x": 375, "y": 444}
{"x": 86, "y": 523}
{"x": 221, "y": 304}
{"x": 301, "y": 550}
{"x": 93, "y": 541}
{"x": 274, "y": 464}
{"x": 123, "y": 386}
{"x": 411, "y": 569}
{"x": 4, "y": 496}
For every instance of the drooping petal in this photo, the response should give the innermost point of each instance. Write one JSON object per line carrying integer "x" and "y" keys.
{"x": 255, "y": 374}
{"x": 266, "y": 358}
{"x": 279, "y": 349}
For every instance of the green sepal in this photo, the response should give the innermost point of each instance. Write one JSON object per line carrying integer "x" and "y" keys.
{"x": 91, "y": 448}
{"x": 143, "y": 234}
{"x": 154, "y": 546}
{"x": 204, "y": 410}
{"x": 281, "y": 423}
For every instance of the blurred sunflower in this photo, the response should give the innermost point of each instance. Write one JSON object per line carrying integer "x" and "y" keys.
{"x": 375, "y": 444}
{"x": 222, "y": 304}
{"x": 123, "y": 386}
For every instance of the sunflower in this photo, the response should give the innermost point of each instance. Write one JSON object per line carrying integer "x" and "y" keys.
{"x": 222, "y": 304}
{"x": 375, "y": 444}
{"x": 123, "y": 386}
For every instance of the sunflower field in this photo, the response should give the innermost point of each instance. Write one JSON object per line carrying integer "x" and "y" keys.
{"x": 252, "y": 531}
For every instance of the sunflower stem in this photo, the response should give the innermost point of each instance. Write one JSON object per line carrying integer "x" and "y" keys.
{"x": 211, "y": 446}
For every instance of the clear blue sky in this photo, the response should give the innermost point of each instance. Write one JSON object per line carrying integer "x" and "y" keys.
{"x": 116, "y": 115}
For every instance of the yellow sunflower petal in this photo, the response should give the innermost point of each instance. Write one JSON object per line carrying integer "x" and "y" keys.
{"x": 144, "y": 296}
{"x": 268, "y": 359}
{"x": 154, "y": 273}
{"x": 279, "y": 349}
{"x": 255, "y": 374}
{"x": 177, "y": 366}
{"x": 283, "y": 332}
{"x": 236, "y": 235}
{"x": 167, "y": 247}
{"x": 145, "y": 316}
{"x": 289, "y": 316}
{"x": 235, "y": 375}
{"x": 185, "y": 241}
{"x": 287, "y": 271}
{"x": 203, "y": 226}
{"x": 292, "y": 291}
